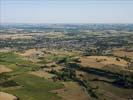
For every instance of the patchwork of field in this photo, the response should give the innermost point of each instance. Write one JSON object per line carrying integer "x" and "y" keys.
{"x": 66, "y": 62}
{"x": 30, "y": 84}
{"x": 16, "y": 74}
{"x": 24, "y": 77}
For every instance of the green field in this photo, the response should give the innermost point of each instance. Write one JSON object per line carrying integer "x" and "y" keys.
{"x": 35, "y": 88}
{"x": 30, "y": 87}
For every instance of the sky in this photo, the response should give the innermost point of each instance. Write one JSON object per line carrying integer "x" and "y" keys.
{"x": 66, "y": 11}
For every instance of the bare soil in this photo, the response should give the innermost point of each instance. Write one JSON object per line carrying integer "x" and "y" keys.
{"x": 6, "y": 96}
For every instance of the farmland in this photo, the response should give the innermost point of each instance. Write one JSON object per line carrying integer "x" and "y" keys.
{"x": 66, "y": 62}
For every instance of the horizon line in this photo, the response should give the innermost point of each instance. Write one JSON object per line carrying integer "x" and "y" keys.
{"x": 65, "y": 23}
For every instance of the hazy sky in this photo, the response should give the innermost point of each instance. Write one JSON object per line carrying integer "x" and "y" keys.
{"x": 66, "y": 11}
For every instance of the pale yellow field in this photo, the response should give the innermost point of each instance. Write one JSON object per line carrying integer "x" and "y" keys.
{"x": 62, "y": 52}
{"x": 28, "y": 52}
{"x": 4, "y": 69}
{"x": 101, "y": 61}
{"x": 121, "y": 53}
{"x": 15, "y": 36}
{"x": 6, "y": 96}
{"x": 6, "y": 50}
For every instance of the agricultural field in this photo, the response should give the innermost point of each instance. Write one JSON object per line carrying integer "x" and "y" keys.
{"x": 66, "y": 62}
{"x": 19, "y": 82}
{"x": 102, "y": 61}
{"x": 123, "y": 53}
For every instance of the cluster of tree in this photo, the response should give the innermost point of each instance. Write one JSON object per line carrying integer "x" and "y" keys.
{"x": 66, "y": 74}
{"x": 92, "y": 52}
{"x": 124, "y": 80}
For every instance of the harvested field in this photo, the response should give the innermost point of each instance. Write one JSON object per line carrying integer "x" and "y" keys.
{"x": 65, "y": 53}
{"x": 101, "y": 61}
{"x": 28, "y": 52}
{"x": 31, "y": 54}
{"x": 6, "y": 96}
{"x": 121, "y": 53}
{"x": 72, "y": 91}
{"x": 4, "y": 69}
